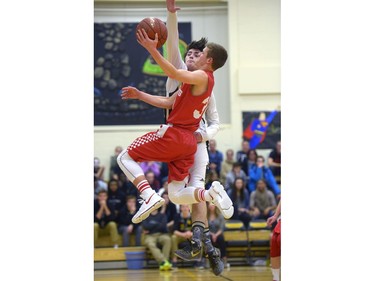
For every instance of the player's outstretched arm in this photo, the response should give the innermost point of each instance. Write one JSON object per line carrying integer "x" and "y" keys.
{"x": 157, "y": 101}
{"x": 172, "y": 43}
{"x": 198, "y": 77}
{"x": 171, "y": 6}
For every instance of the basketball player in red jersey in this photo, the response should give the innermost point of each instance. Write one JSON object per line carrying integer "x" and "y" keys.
{"x": 200, "y": 242}
{"x": 275, "y": 251}
{"x": 174, "y": 142}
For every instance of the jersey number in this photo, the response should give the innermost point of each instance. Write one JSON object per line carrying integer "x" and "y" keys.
{"x": 198, "y": 114}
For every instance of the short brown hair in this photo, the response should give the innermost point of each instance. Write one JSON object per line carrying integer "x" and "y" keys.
{"x": 218, "y": 54}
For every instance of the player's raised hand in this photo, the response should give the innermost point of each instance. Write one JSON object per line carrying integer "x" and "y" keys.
{"x": 171, "y": 6}
{"x": 145, "y": 41}
{"x": 130, "y": 93}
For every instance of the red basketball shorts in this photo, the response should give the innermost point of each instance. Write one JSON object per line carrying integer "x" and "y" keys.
{"x": 276, "y": 241}
{"x": 169, "y": 144}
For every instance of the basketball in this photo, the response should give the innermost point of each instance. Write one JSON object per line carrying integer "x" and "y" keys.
{"x": 152, "y": 26}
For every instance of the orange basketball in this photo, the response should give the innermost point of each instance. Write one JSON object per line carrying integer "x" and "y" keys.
{"x": 152, "y": 26}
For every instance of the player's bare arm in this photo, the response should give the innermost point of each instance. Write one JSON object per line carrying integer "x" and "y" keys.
{"x": 157, "y": 101}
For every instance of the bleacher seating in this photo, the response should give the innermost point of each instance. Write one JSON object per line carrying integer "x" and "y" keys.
{"x": 244, "y": 244}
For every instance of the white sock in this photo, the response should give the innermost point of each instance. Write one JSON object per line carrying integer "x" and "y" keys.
{"x": 145, "y": 189}
{"x": 276, "y": 274}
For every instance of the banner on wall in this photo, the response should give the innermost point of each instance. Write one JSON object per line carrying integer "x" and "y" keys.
{"x": 261, "y": 128}
{"x": 120, "y": 61}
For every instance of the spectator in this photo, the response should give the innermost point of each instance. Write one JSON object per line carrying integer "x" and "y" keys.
{"x": 241, "y": 155}
{"x": 235, "y": 173}
{"x": 114, "y": 169}
{"x": 262, "y": 202}
{"x": 240, "y": 198}
{"x": 274, "y": 160}
{"x": 98, "y": 169}
{"x": 170, "y": 210}
{"x": 252, "y": 156}
{"x": 152, "y": 180}
{"x": 163, "y": 172}
{"x": 98, "y": 174}
{"x": 151, "y": 166}
{"x": 260, "y": 171}
{"x": 98, "y": 186}
{"x": 104, "y": 217}
{"x": 125, "y": 225}
{"x": 227, "y": 165}
{"x": 115, "y": 196}
{"x": 155, "y": 226}
{"x": 164, "y": 186}
{"x": 211, "y": 177}
{"x": 216, "y": 224}
{"x": 215, "y": 157}
{"x": 181, "y": 230}
{"x": 126, "y": 186}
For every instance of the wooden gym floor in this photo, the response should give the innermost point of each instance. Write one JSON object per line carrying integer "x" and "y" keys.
{"x": 234, "y": 273}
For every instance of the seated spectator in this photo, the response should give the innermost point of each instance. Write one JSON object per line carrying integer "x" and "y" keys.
{"x": 260, "y": 171}
{"x": 152, "y": 166}
{"x": 215, "y": 157}
{"x": 125, "y": 225}
{"x": 216, "y": 223}
{"x": 235, "y": 173}
{"x": 211, "y": 177}
{"x": 274, "y": 160}
{"x": 104, "y": 218}
{"x": 242, "y": 156}
{"x": 115, "y": 196}
{"x": 227, "y": 165}
{"x": 170, "y": 210}
{"x": 164, "y": 187}
{"x": 181, "y": 230}
{"x": 152, "y": 180}
{"x": 163, "y": 172}
{"x": 262, "y": 202}
{"x": 251, "y": 158}
{"x": 127, "y": 187}
{"x": 98, "y": 186}
{"x": 98, "y": 175}
{"x": 155, "y": 228}
{"x": 98, "y": 169}
{"x": 114, "y": 169}
{"x": 240, "y": 198}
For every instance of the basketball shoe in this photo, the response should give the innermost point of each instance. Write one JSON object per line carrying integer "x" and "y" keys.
{"x": 221, "y": 199}
{"x": 153, "y": 202}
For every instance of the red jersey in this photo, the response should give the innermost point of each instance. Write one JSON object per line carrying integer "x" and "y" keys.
{"x": 187, "y": 110}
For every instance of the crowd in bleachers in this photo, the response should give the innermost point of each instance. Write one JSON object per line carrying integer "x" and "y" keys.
{"x": 251, "y": 181}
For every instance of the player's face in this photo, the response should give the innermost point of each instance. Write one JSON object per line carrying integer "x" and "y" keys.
{"x": 191, "y": 58}
{"x": 203, "y": 59}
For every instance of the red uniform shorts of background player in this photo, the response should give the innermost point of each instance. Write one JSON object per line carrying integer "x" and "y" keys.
{"x": 276, "y": 241}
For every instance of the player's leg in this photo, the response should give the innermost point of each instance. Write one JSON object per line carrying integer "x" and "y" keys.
{"x": 275, "y": 252}
{"x": 143, "y": 145}
{"x": 200, "y": 228}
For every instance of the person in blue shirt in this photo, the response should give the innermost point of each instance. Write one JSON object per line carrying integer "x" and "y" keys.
{"x": 260, "y": 171}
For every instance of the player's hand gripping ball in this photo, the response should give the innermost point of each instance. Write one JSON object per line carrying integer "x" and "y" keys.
{"x": 152, "y": 26}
